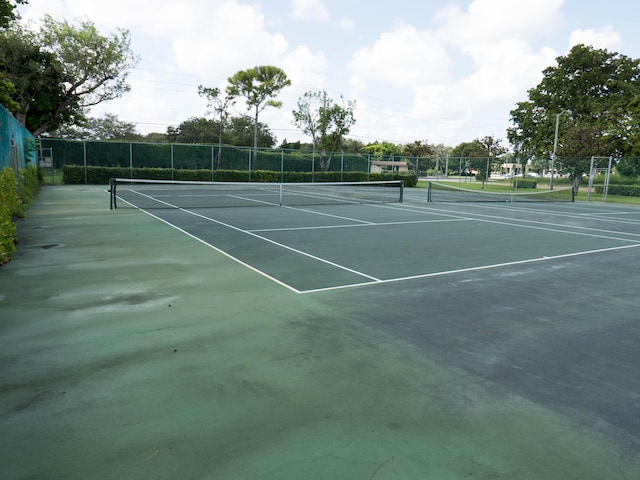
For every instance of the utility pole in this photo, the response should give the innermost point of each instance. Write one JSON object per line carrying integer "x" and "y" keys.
{"x": 555, "y": 148}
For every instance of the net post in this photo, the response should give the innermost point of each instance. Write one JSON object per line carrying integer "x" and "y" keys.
{"x": 401, "y": 191}
{"x": 280, "y": 194}
{"x": 429, "y": 192}
{"x": 112, "y": 193}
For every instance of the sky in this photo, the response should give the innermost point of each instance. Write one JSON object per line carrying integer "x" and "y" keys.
{"x": 436, "y": 71}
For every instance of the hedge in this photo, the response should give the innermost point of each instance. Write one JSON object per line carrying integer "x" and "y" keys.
{"x": 78, "y": 174}
{"x": 626, "y": 190}
{"x": 12, "y": 206}
{"x": 524, "y": 183}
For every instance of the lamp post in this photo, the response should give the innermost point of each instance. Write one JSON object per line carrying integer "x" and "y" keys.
{"x": 555, "y": 147}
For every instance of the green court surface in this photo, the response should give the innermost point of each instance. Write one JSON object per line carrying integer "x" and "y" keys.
{"x": 395, "y": 341}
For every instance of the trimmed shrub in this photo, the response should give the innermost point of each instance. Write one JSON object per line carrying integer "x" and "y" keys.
{"x": 626, "y": 190}
{"x": 10, "y": 208}
{"x": 78, "y": 174}
{"x": 524, "y": 183}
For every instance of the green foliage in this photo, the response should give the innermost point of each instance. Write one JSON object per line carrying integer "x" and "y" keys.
{"x": 62, "y": 70}
{"x": 75, "y": 174}
{"x": 418, "y": 148}
{"x": 629, "y": 167}
{"x": 379, "y": 149}
{"x": 237, "y": 131}
{"x": 7, "y": 90}
{"x": 7, "y": 12}
{"x": 259, "y": 85}
{"x": 10, "y": 208}
{"x": 524, "y": 183}
{"x": 325, "y": 121}
{"x": 109, "y": 127}
{"x": 598, "y": 92}
{"x": 30, "y": 182}
{"x": 625, "y": 190}
{"x": 36, "y": 77}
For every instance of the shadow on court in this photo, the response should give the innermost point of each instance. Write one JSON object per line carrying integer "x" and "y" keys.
{"x": 131, "y": 350}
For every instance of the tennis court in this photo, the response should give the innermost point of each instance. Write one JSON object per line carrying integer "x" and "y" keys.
{"x": 366, "y": 339}
{"x": 309, "y": 246}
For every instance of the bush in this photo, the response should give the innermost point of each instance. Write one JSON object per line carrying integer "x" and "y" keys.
{"x": 12, "y": 205}
{"x": 524, "y": 183}
{"x": 10, "y": 208}
{"x": 626, "y": 190}
{"x": 78, "y": 174}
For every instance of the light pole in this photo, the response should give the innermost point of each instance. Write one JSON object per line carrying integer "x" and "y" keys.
{"x": 555, "y": 147}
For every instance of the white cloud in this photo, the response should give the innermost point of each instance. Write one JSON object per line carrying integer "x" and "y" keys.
{"x": 605, "y": 37}
{"x": 491, "y": 20}
{"x": 346, "y": 23}
{"x": 447, "y": 75}
{"x": 309, "y": 10}
{"x": 404, "y": 57}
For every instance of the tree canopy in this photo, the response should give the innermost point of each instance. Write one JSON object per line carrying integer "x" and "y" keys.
{"x": 259, "y": 85}
{"x": 593, "y": 96}
{"x": 109, "y": 128}
{"x": 7, "y": 11}
{"x": 62, "y": 70}
{"x": 325, "y": 121}
{"x": 238, "y": 131}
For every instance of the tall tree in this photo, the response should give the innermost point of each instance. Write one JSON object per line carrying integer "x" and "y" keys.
{"x": 259, "y": 85}
{"x": 492, "y": 148}
{"x": 7, "y": 88}
{"x": 325, "y": 121}
{"x": 36, "y": 77}
{"x": 589, "y": 90}
{"x": 220, "y": 106}
{"x": 92, "y": 69}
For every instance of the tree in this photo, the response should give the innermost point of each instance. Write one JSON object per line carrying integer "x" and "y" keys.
{"x": 325, "y": 121}
{"x": 593, "y": 97}
{"x": 220, "y": 106}
{"x": 108, "y": 127}
{"x": 259, "y": 85}
{"x": 480, "y": 155}
{"x": 7, "y": 88}
{"x": 492, "y": 149}
{"x": 7, "y": 12}
{"x": 35, "y": 77}
{"x": 381, "y": 149}
{"x": 193, "y": 130}
{"x": 91, "y": 69}
{"x": 238, "y": 131}
{"x": 418, "y": 148}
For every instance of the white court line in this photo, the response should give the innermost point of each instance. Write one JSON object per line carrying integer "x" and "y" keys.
{"x": 374, "y": 280}
{"x": 368, "y": 224}
{"x": 325, "y": 214}
{"x": 509, "y": 221}
{"x": 471, "y": 269}
{"x": 596, "y": 215}
{"x": 244, "y": 264}
{"x": 281, "y": 245}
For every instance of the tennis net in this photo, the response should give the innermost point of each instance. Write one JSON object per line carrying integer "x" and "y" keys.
{"x": 154, "y": 194}
{"x": 441, "y": 192}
